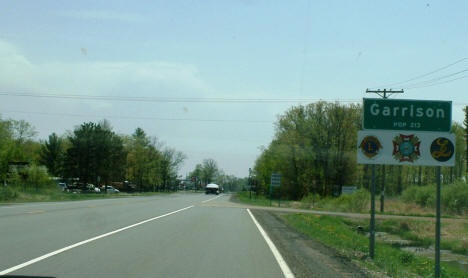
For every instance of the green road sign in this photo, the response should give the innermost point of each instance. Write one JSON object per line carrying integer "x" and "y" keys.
{"x": 402, "y": 114}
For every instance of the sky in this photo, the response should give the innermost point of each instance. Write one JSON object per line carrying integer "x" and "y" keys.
{"x": 298, "y": 51}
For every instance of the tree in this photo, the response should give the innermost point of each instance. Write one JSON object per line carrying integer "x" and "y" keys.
{"x": 23, "y": 148}
{"x": 196, "y": 174}
{"x": 6, "y": 143}
{"x": 137, "y": 158}
{"x": 95, "y": 153}
{"x": 170, "y": 164}
{"x": 22, "y": 131}
{"x": 38, "y": 177}
{"x": 313, "y": 149}
{"x": 143, "y": 160}
{"x": 51, "y": 154}
{"x": 465, "y": 122}
{"x": 460, "y": 150}
{"x": 209, "y": 170}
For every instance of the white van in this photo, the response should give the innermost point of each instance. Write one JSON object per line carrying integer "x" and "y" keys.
{"x": 212, "y": 188}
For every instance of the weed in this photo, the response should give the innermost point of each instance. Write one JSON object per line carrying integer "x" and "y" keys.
{"x": 337, "y": 233}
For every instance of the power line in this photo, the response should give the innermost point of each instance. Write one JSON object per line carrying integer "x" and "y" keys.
{"x": 438, "y": 83}
{"x": 422, "y": 75}
{"x": 172, "y": 99}
{"x": 428, "y": 82}
{"x": 138, "y": 118}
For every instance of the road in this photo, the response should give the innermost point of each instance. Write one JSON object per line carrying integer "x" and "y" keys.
{"x": 176, "y": 235}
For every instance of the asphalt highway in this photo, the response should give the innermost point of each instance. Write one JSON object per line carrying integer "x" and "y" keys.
{"x": 174, "y": 235}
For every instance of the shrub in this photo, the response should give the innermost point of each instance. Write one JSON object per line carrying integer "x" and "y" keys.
{"x": 406, "y": 258}
{"x": 7, "y": 193}
{"x": 420, "y": 195}
{"x": 310, "y": 200}
{"x": 356, "y": 202}
{"x": 15, "y": 179}
{"x": 454, "y": 197}
{"x": 38, "y": 177}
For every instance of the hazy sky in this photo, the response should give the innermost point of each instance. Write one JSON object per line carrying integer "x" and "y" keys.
{"x": 330, "y": 50}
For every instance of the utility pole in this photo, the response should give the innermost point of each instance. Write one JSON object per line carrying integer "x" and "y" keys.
{"x": 250, "y": 184}
{"x": 385, "y": 93}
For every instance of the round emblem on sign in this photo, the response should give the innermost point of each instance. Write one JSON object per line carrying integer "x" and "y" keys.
{"x": 406, "y": 148}
{"x": 370, "y": 146}
{"x": 442, "y": 149}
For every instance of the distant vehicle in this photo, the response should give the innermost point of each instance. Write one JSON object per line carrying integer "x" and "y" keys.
{"x": 124, "y": 186}
{"x": 62, "y": 186}
{"x": 110, "y": 189}
{"x": 92, "y": 189}
{"x": 212, "y": 188}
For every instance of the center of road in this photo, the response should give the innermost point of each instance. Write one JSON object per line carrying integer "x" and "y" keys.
{"x": 206, "y": 201}
{"x": 53, "y": 253}
{"x": 284, "y": 267}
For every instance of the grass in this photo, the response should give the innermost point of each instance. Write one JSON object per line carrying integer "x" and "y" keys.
{"x": 54, "y": 194}
{"x": 454, "y": 197}
{"x": 421, "y": 232}
{"x": 334, "y": 232}
{"x": 358, "y": 203}
{"x": 260, "y": 200}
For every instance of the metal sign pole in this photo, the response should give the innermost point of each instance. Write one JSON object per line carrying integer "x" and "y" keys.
{"x": 437, "y": 239}
{"x": 372, "y": 219}
{"x": 250, "y": 184}
{"x": 271, "y": 189}
{"x": 382, "y": 193}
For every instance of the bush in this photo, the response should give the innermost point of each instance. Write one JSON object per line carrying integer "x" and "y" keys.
{"x": 310, "y": 200}
{"x": 38, "y": 177}
{"x": 7, "y": 193}
{"x": 454, "y": 197}
{"x": 15, "y": 179}
{"x": 356, "y": 202}
{"x": 422, "y": 195}
{"x": 406, "y": 258}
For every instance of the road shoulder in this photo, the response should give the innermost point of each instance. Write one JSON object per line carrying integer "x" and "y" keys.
{"x": 305, "y": 256}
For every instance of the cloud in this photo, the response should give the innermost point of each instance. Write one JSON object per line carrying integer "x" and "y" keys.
{"x": 152, "y": 78}
{"x": 104, "y": 15}
{"x": 20, "y": 74}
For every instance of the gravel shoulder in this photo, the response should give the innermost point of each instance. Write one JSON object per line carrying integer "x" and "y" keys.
{"x": 305, "y": 256}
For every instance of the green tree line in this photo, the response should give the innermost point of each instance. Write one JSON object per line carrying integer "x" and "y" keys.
{"x": 314, "y": 150}
{"x": 91, "y": 153}
{"x": 209, "y": 172}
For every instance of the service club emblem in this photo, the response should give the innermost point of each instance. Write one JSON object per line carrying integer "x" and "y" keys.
{"x": 406, "y": 148}
{"x": 370, "y": 146}
{"x": 442, "y": 149}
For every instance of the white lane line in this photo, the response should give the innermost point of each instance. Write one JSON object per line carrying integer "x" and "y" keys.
{"x": 53, "y": 253}
{"x": 282, "y": 263}
{"x": 206, "y": 201}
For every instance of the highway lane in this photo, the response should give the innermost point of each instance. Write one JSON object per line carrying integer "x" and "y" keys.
{"x": 197, "y": 242}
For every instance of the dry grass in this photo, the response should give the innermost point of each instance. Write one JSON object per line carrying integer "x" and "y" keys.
{"x": 397, "y": 206}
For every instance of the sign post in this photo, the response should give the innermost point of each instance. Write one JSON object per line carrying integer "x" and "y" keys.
{"x": 250, "y": 184}
{"x": 275, "y": 181}
{"x": 372, "y": 219}
{"x": 437, "y": 239}
{"x": 406, "y": 132}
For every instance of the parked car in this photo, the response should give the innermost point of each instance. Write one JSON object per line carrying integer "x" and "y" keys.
{"x": 110, "y": 189}
{"x": 62, "y": 186}
{"x": 92, "y": 189}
